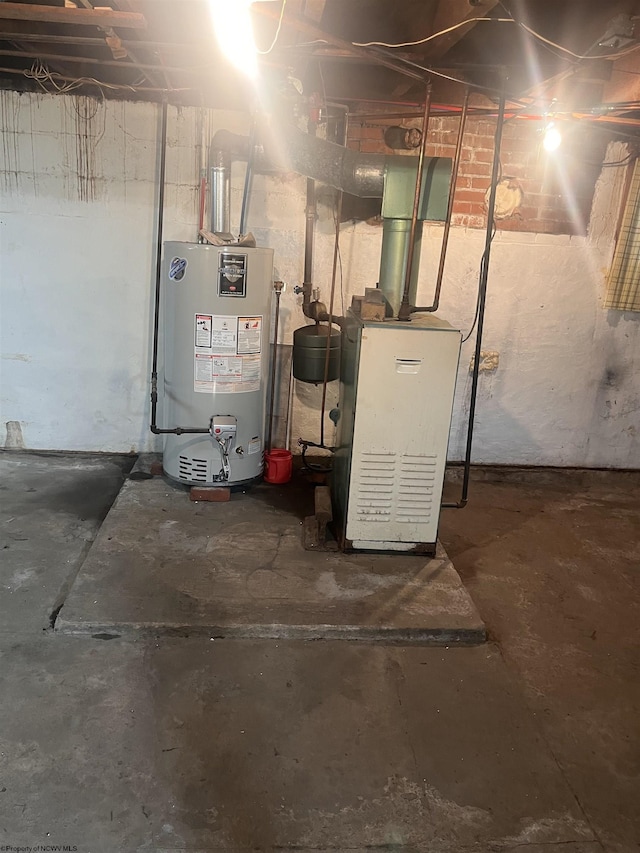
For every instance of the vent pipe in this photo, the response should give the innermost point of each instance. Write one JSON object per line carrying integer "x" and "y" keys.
{"x": 225, "y": 147}
{"x": 362, "y": 175}
{"x": 358, "y": 174}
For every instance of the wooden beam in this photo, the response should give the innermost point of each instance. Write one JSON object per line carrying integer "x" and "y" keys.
{"x": 450, "y": 13}
{"x": 64, "y": 15}
{"x": 12, "y": 35}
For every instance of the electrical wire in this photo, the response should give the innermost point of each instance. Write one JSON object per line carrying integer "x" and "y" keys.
{"x": 431, "y": 37}
{"x": 578, "y": 56}
{"x": 475, "y": 86}
{"x": 319, "y": 469}
{"x": 511, "y": 20}
{"x": 278, "y": 28}
{"x": 483, "y": 261}
{"x": 41, "y": 75}
{"x": 624, "y": 162}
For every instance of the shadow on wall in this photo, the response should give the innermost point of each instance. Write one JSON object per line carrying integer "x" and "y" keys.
{"x": 512, "y": 439}
{"x": 614, "y": 398}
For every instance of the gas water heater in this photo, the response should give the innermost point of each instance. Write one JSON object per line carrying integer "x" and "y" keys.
{"x": 216, "y": 309}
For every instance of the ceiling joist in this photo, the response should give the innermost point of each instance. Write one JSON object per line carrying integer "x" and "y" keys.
{"x": 450, "y": 13}
{"x": 63, "y": 15}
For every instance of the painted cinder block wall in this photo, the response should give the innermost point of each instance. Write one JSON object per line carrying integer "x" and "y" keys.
{"x": 77, "y": 229}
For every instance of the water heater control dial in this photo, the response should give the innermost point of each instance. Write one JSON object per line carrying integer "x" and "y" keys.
{"x": 224, "y": 427}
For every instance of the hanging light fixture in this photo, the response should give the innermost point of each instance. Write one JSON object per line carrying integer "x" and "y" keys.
{"x": 552, "y": 137}
{"x": 234, "y": 33}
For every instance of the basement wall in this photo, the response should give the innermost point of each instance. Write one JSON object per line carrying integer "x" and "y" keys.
{"x": 77, "y": 231}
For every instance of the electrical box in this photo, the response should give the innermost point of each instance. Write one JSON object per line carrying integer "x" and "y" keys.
{"x": 396, "y": 398}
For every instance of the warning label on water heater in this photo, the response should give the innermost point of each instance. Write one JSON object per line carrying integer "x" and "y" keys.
{"x": 249, "y": 335}
{"x": 227, "y": 354}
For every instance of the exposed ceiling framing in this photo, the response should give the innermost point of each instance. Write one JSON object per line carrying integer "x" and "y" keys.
{"x": 157, "y": 49}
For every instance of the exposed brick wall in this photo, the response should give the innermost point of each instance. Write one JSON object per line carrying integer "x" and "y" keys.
{"x": 558, "y": 189}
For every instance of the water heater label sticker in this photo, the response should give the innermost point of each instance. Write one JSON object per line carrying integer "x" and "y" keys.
{"x": 249, "y": 335}
{"x": 250, "y": 373}
{"x": 203, "y": 373}
{"x": 203, "y": 330}
{"x": 227, "y": 370}
{"x": 255, "y": 445}
{"x": 224, "y": 335}
{"x": 177, "y": 268}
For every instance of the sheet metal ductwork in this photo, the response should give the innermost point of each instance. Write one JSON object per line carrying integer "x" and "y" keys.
{"x": 391, "y": 177}
{"x": 296, "y": 151}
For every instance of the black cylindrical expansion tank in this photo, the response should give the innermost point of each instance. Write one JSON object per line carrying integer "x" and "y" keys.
{"x": 309, "y": 353}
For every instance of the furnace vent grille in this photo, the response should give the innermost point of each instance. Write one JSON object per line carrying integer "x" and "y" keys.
{"x": 415, "y": 489}
{"x": 193, "y": 470}
{"x": 376, "y": 481}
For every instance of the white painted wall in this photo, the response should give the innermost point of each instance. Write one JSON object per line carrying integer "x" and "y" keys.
{"x": 77, "y": 230}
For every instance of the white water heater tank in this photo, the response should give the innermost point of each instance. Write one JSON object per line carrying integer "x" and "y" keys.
{"x": 217, "y": 311}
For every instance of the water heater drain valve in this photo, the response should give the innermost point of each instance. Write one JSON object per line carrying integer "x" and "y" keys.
{"x": 223, "y": 430}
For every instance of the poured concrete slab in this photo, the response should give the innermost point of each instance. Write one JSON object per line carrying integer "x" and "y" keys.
{"x": 164, "y": 564}
{"x": 158, "y": 745}
{"x": 51, "y": 506}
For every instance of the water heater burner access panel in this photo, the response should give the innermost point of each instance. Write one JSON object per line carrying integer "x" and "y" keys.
{"x": 232, "y": 275}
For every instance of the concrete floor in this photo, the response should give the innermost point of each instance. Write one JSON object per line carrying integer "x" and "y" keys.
{"x": 164, "y": 564}
{"x": 163, "y": 744}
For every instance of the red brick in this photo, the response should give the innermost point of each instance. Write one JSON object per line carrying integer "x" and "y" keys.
{"x": 372, "y": 146}
{"x": 476, "y": 169}
{"x": 213, "y": 493}
{"x": 474, "y": 141}
{"x": 371, "y": 133}
{"x": 461, "y": 206}
{"x": 472, "y": 196}
{"x": 480, "y": 183}
{"x": 480, "y": 155}
{"x": 476, "y": 222}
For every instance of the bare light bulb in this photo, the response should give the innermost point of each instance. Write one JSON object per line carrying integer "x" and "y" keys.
{"x": 552, "y": 137}
{"x": 234, "y": 33}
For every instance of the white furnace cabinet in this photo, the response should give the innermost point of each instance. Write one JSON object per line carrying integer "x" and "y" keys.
{"x": 397, "y": 386}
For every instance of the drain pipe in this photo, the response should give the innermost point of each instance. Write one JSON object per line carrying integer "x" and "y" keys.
{"x": 482, "y": 298}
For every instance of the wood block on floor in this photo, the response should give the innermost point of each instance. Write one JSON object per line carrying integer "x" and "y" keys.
{"x": 209, "y": 493}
